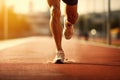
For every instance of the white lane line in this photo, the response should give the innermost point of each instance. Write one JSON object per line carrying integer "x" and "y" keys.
{"x": 14, "y": 42}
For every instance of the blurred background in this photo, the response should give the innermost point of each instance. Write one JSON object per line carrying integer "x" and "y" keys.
{"x": 99, "y": 20}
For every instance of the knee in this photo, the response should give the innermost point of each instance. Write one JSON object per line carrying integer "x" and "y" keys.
{"x": 73, "y": 18}
{"x": 55, "y": 12}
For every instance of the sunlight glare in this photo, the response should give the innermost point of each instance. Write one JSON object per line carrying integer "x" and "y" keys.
{"x": 22, "y": 6}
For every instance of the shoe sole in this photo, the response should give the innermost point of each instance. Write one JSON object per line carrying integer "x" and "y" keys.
{"x": 58, "y": 62}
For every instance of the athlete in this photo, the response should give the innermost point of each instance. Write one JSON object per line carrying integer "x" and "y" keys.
{"x": 70, "y": 18}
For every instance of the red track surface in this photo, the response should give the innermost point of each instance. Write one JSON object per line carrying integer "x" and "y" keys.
{"x": 32, "y": 61}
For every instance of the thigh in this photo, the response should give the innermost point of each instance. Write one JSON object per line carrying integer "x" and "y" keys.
{"x": 71, "y": 13}
{"x": 71, "y": 7}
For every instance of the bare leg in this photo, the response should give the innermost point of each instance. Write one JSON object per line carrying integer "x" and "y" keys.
{"x": 56, "y": 29}
{"x": 55, "y": 25}
{"x": 70, "y": 19}
{"x": 71, "y": 13}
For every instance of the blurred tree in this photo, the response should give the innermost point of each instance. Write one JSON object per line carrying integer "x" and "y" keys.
{"x": 17, "y": 24}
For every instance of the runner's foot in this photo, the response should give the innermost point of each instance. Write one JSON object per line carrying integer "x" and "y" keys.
{"x": 59, "y": 59}
{"x": 68, "y": 29}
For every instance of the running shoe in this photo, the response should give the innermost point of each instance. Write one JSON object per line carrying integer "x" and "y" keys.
{"x": 59, "y": 58}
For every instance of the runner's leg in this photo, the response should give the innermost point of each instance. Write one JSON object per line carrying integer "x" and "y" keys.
{"x": 55, "y": 25}
{"x": 71, "y": 16}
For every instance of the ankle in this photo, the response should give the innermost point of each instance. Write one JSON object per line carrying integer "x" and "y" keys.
{"x": 68, "y": 24}
{"x": 60, "y": 51}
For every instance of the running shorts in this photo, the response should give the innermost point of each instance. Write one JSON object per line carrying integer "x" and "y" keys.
{"x": 70, "y": 2}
